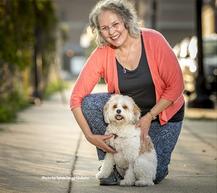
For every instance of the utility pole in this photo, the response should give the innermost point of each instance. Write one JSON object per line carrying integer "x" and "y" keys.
{"x": 153, "y": 14}
{"x": 202, "y": 99}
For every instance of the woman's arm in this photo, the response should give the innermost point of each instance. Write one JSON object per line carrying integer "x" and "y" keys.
{"x": 170, "y": 74}
{"x": 145, "y": 121}
{"x": 88, "y": 78}
{"x": 97, "y": 140}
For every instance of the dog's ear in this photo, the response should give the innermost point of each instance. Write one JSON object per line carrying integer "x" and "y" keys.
{"x": 137, "y": 113}
{"x": 105, "y": 112}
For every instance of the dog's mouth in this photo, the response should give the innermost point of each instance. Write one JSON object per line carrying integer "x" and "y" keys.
{"x": 119, "y": 117}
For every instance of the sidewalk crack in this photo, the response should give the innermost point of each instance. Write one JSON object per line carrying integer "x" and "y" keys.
{"x": 74, "y": 163}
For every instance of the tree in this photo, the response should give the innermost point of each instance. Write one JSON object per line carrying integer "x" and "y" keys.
{"x": 27, "y": 35}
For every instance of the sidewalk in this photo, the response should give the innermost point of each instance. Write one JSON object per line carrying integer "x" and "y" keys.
{"x": 45, "y": 152}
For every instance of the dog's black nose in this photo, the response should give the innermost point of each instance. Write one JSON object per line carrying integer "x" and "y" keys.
{"x": 118, "y": 111}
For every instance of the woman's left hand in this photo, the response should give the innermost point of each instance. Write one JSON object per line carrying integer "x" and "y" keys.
{"x": 144, "y": 123}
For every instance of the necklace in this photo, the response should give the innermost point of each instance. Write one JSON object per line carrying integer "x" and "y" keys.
{"x": 125, "y": 62}
{"x": 124, "y": 70}
{"x": 128, "y": 53}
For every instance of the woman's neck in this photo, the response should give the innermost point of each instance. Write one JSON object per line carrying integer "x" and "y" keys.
{"x": 130, "y": 42}
{"x": 128, "y": 55}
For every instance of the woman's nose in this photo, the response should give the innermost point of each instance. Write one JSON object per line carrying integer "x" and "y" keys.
{"x": 111, "y": 30}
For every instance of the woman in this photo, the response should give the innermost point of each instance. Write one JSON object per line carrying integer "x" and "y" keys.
{"x": 135, "y": 62}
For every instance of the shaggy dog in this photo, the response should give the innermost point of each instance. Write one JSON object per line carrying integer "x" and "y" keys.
{"x": 135, "y": 161}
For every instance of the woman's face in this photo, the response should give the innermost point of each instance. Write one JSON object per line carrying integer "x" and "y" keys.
{"x": 112, "y": 28}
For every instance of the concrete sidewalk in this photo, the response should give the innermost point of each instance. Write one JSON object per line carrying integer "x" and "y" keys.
{"x": 45, "y": 152}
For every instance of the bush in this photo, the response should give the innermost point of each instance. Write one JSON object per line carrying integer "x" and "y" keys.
{"x": 54, "y": 87}
{"x": 10, "y": 105}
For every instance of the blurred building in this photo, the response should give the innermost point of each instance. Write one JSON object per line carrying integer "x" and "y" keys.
{"x": 73, "y": 20}
{"x": 175, "y": 19}
{"x": 73, "y": 16}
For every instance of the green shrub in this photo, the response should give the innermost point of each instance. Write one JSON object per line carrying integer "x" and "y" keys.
{"x": 7, "y": 114}
{"x": 54, "y": 87}
{"x": 10, "y": 105}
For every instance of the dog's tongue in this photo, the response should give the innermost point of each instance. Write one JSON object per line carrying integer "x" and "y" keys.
{"x": 118, "y": 117}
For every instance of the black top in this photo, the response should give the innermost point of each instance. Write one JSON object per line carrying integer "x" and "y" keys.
{"x": 139, "y": 85}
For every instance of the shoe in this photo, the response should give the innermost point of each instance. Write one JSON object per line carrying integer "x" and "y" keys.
{"x": 113, "y": 179}
{"x": 158, "y": 180}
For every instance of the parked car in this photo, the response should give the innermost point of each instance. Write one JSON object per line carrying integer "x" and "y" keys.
{"x": 186, "y": 52}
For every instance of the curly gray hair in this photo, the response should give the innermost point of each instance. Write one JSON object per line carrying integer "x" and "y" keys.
{"x": 122, "y": 8}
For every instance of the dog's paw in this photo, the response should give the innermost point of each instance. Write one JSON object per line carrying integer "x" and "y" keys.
{"x": 126, "y": 183}
{"x": 143, "y": 183}
{"x": 101, "y": 174}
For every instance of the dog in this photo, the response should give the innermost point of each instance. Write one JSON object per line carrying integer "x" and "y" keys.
{"x": 135, "y": 161}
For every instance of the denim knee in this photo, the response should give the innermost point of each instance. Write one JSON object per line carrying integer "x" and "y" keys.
{"x": 164, "y": 138}
{"x": 95, "y": 101}
{"x": 92, "y": 108}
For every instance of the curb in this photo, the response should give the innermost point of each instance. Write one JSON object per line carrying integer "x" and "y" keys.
{"x": 197, "y": 113}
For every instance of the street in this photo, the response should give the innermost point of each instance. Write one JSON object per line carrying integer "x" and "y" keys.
{"x": 45, "y": 152}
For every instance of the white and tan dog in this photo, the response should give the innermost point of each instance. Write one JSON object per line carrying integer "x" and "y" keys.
{"x": 135, "y": 161}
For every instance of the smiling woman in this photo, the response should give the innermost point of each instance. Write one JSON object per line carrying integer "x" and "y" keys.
{"x": 137, "y": 62}
{"x": 125, "y": 14}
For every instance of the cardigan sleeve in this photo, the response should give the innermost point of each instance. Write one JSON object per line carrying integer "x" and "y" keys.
{"x": 169, "y": 70}
{"x": 87, "y": 79}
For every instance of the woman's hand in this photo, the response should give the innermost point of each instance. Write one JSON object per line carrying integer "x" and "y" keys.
{"x": 144, "y": 123}
{"x": 99, "y": 141}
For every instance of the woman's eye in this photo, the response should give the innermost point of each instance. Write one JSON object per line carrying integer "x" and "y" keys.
{"x": 103, "y": 29}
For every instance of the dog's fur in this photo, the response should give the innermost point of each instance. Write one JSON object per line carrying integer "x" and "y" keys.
{"x": 135, "y": 161}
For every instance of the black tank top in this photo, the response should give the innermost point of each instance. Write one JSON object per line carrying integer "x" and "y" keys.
{"x": 139, "y": 85}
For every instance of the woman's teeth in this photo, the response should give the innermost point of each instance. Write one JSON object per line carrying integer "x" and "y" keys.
{"x": 114, "y": 38}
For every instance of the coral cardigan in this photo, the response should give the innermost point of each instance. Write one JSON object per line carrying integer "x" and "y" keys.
{"x": 165, "y": 70}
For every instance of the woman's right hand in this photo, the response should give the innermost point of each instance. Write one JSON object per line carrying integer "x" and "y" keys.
{"x": 99, "y": 141}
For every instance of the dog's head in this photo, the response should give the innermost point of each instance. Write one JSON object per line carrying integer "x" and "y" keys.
{"x": 121, "y": 110}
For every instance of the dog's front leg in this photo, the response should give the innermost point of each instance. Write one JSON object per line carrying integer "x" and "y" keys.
{"x": 129, "y": 178}
{"x": 107, "y": 166}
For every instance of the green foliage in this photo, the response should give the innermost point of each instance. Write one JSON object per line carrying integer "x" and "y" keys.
{"x": 27, "y": 29}
{"x": 22, "y": 24}
{"x": 10, "y": 105}
{"x": 54, "y": 87}
{"x": 16, "y": 32}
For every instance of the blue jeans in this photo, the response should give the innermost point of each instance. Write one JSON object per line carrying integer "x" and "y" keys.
{"x": 164, "y": 137}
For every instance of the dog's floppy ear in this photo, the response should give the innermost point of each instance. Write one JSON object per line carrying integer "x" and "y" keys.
{"x": 137, "y": 112}
{"x": 105, "y": 112}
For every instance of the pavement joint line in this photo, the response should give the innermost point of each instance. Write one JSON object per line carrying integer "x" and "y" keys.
{"x": 74, "y": 163}
{"x": 199, "y": 137}
{"x": 210, "y": 175}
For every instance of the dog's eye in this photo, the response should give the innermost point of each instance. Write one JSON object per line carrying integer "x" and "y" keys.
{"x": 114, "y": 106}
{"x": 125, "y": 107}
